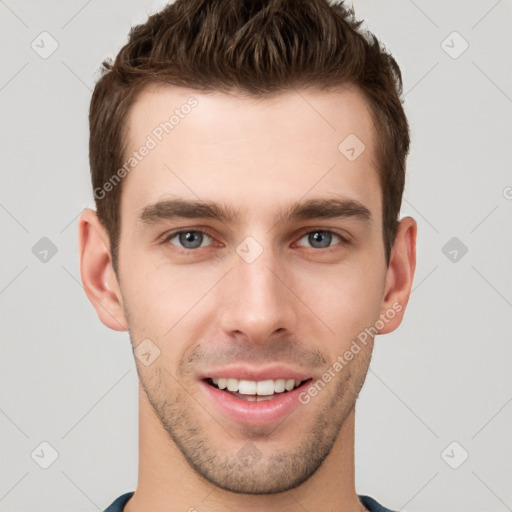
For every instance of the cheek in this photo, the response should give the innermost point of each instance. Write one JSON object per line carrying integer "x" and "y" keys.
{"x": 348, "y": 300}
{"x": 162, "y": 298}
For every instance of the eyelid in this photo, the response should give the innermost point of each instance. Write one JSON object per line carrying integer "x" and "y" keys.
{"x": 345, "y": 238}
{"x": 171, "y": 234}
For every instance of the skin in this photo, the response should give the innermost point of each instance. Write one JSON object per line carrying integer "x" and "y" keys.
{"x": 298, "y": 304}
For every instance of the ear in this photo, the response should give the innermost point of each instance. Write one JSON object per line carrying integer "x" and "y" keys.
{"x": 97, "y": 273}
{"x": 399, "y": 275}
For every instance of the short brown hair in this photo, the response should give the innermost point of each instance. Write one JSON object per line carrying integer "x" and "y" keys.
{"x": 253, "y": 47}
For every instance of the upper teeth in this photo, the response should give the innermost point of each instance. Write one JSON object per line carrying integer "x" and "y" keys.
{"x": 260, "y": 387}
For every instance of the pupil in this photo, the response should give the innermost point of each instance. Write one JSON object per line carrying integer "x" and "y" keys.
{"x": 190, "y": 239}
{"x": 317, "y": 237}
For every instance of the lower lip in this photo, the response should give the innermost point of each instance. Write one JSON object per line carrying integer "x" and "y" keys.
{"x": 252, "y": 412}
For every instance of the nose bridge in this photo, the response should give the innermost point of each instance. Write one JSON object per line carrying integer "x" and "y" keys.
{"x": 258, "y": 303}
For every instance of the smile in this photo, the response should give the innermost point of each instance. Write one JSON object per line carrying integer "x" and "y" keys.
{"x": 254, "y": 402}
{"x": 253, "y": 390}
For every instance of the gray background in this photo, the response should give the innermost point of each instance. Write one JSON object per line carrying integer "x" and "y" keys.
{"x": 444, "y": 376}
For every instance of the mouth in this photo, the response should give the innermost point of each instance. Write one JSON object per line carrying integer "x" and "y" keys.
{"x": 254, "y": 402}
{"x": 255, "y": 391}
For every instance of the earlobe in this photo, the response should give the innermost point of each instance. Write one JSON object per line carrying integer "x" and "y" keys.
{"x": 98, "y": 276}
{"x": 400, "y": 275}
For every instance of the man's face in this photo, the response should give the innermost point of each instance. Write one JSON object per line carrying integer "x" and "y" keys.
{"x": 263, "y": 295}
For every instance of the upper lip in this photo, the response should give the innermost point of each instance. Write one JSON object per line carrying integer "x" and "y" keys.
{"x": 246, "y": 372}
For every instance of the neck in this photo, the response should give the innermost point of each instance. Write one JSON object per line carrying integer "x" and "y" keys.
{"x": 166, "y": 482}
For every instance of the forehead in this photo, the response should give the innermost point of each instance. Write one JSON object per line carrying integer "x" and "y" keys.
{"x": 254, "y": 152}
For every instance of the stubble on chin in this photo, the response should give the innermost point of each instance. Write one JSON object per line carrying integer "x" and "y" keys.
{"x": 274, "y": 472}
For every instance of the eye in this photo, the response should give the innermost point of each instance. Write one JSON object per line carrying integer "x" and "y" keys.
{"x": 189, "y": 238}
{"x": 321, "y": 239}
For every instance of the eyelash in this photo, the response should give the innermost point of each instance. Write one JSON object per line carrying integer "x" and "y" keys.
{"x": 169, "y": 236}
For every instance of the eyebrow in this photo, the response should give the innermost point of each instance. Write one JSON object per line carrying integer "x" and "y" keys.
{"x": 303, "y": 210}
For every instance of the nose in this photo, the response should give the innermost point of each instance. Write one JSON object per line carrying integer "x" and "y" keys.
{"x": 257, "y": 301}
